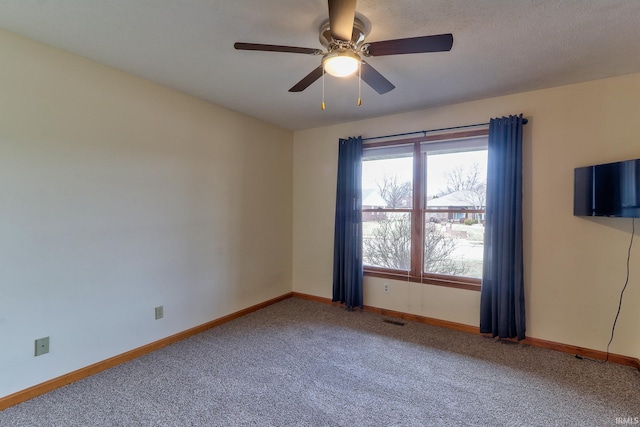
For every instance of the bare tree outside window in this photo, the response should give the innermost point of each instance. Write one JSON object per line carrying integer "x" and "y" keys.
{"x": 389, "y": 245}
{"x": 438, "y": 250}
{"x": 470, "y": 181}
{"x": 396, "y": 194}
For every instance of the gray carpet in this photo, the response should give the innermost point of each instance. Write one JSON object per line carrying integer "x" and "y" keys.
{"x": 309, "y": 364}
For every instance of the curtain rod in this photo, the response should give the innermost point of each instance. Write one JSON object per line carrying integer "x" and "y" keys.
{"x": 524, "y": 122}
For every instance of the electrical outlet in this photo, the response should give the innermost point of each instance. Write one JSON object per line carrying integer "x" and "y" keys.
{"x": 42, "y": 346}
{"x": 386, "y": 288}
{"x": 159, "y": 312}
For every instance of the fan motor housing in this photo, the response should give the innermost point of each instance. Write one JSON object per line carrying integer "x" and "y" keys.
{"x": 357, "y": 37}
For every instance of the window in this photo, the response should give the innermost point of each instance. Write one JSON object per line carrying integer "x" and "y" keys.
{"x": 423, "y": 206}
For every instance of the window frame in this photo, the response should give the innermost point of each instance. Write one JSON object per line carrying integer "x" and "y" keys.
{"x": 418, "y": 212}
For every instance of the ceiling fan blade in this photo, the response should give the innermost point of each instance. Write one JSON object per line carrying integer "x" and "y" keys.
{"x": 276, "y": 48}
{"x": 307, "y": 80}
{"x": 341, "y": 15}
{"x": 374, "y": 79}
{"x": 436, "y": 43}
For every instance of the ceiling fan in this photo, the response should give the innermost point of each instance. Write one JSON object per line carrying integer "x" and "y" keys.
{"x": 343, "y": 37}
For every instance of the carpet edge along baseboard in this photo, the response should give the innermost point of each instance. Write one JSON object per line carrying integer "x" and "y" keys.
{"x": 42, "y": 388}
{"x": 535, "y": 342}
{"x": 47, "y": 386}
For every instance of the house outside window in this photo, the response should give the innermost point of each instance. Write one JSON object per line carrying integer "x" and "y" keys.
{"x": 423, "y": 208}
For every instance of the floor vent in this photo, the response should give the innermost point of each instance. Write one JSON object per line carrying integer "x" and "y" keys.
{"x": 394, "y": 322}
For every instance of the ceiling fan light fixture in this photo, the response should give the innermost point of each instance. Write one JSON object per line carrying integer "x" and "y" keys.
{"x": 341, "y": 63}
{"x": 343, "y": 37}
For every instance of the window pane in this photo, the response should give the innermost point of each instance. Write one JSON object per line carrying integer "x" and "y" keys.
{"x": 456, "y": 180}
{"x": 454, "y": 240}
{"x": 387, "y": 239}
{"x": 453, "y": 247}
{"x": 387, "y": 183}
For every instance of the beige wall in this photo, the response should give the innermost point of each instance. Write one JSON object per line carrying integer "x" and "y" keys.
{"x": 575, "y": 267}
{"x": 118, "y": 195}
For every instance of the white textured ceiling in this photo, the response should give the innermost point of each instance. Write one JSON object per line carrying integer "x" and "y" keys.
{"x": 500, "y": 47}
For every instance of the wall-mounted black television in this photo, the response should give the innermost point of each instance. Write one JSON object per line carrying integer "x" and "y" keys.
{"x": 611, "y": 189}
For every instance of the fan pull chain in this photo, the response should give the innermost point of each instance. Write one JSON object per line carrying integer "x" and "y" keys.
{"x": 360, "y": 85}
{"x": 322, "y": 88}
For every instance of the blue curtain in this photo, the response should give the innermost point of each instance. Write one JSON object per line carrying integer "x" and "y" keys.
{"x": 502, "y": 295}
{"x": 347, "y": 246}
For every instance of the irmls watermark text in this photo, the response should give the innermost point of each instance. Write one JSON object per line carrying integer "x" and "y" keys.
{"x": 628, "y": 421}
